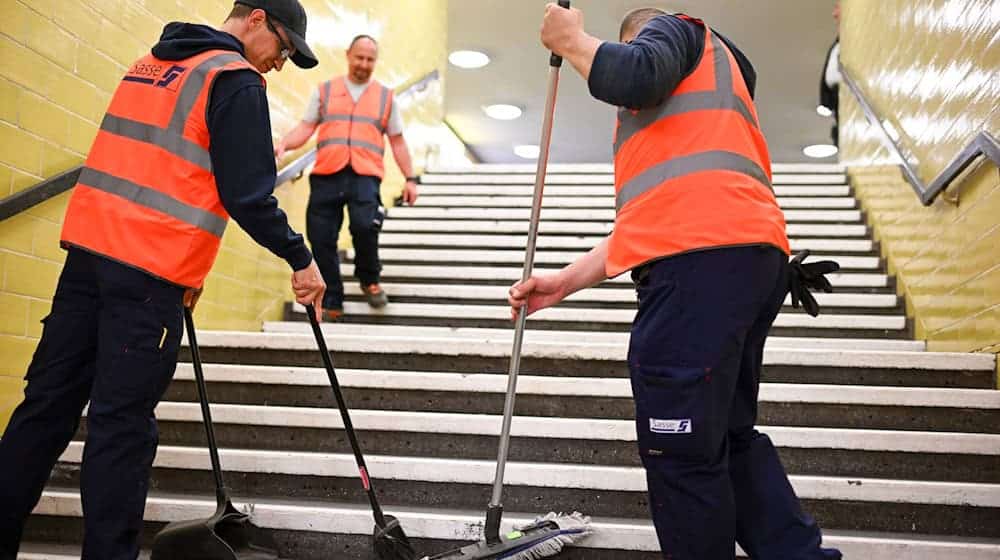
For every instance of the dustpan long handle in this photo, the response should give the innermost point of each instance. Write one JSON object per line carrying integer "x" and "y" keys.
{"x": 345, "y": 416}
{"x": 221, "y": 495}
{"x": 495, "y": 509}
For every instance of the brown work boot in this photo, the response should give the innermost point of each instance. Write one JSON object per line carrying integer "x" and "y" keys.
{"x": 375, "y": 295}
{"x": 332, "y": 315}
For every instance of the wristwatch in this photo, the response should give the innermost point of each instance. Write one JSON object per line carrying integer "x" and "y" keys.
{"x": 412, "y": 179}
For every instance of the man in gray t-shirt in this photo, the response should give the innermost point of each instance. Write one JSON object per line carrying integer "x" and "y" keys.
{"x": 351, "y": 115}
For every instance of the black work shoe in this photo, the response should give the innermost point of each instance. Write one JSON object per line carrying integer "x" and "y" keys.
{"x": 375, "y": 295}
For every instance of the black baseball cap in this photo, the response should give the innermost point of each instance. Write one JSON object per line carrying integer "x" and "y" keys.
{"x": 292, "y": 16}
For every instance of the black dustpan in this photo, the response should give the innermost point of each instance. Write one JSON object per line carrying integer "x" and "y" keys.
{"x": 228, "y": 534}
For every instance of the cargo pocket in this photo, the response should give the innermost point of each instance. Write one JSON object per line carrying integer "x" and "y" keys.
{"x": 674, "y": 411}
{"x": 367, "y": 212}
{"x": 142, "y": 343}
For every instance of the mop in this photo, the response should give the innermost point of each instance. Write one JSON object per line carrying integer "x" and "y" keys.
{"x": 547, "y": 535}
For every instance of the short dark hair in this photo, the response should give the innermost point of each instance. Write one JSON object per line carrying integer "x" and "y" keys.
{"x": 360, "y": 37}
{"x": 239, "y": 11}
{"x": 637, "y": 18}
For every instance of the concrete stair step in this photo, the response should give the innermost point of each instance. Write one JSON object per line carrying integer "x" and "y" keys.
{"x": 581, "y": 242}
{"x": 803, "y": 405}
{"x": 603, "y": 190}
{"x": 47, "y": 551}
{"x": 585, "y": 215}
{"x": 607, "y": 168}
{"x": 594, "y": 318}
{"x": 505, "y": 336}
{"x": 445, "y": 273}
{"x": 516, "y": 256}
{"x": 552, "y": 178}
{"x": 910, "y": 454}
{"x": 954, "y": 508}
{"x": 939, "y": 456}
{"x": 398, "y": 224}
{"x": 311, "y": 530}
{"x": 456, "y": 199}
{"x": 589, "y": 359}
{"x": 615, "y": 298}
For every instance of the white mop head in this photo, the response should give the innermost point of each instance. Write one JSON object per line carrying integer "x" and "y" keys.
{"x": 571, "y": 529}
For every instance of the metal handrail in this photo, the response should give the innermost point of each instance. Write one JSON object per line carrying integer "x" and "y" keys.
{"x": 54, "y": 186}
{"x": 32, "y": 196}
{"x": 983, "y": 145}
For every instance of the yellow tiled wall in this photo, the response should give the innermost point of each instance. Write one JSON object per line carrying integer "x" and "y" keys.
{"x": 932, "y": 69}
{"x": 62, "y": 59}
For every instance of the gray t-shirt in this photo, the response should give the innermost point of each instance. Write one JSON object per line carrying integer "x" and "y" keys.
{"x": 394, "y": 128}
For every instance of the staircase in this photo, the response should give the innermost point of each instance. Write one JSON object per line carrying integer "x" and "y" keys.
{"x": 895, "y": 450}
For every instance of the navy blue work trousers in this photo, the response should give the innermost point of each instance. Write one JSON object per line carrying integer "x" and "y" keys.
{"x": 112, "y": 339}
{"x": 324, "y": 217}
{"x": 695, "y": 359}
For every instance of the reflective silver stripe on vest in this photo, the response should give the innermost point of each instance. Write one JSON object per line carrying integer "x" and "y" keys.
{"x": 170, "y": 140}
{"x": 154, "y": 199}
{"x": 341, "y": 117}
{"x": 685, "y": 165}
{"x": 353, "y": 143}
{"x": 324, "y": 98}
{"x": 193, "y": 86}
{"x": 723, "y": 97}
{"x": 723, "y": 73}
{"x": 382, "y": 117}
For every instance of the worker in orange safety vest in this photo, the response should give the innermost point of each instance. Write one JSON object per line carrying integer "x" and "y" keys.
{"x": 350, "y": 115}
{"x": 184, "y": 145}
{"x": 701, "y": 232}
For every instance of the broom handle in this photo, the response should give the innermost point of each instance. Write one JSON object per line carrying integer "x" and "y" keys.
{"x": 495, "y": 510}
{"x": 345, "y": 416}
{"x": 221, "y": 496}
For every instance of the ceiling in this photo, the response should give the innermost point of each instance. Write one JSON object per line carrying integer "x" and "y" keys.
{"x": 786, "y": 40}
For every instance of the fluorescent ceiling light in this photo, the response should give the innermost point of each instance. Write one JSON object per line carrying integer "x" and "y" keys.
{"x": 823, "y": 111}
{"x": 527, "y": 151}
{"x": 820, "y": 150}
{"x": 503, "y": 112}
{"x": 469, "y": 59}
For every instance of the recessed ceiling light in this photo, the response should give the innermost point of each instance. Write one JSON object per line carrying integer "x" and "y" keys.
{"x": 469, "y": 59}
{"x": 527, "y": 151}
{"x": 820, "y": 150}
{"x": 503, "y": 112}
{"x": 823, "y": 111}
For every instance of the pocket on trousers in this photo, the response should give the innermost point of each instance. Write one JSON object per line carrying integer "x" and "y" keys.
{"x": 379, "y": 218}
{"x": 673, "y": 411}
{"x": 144, "y": 341}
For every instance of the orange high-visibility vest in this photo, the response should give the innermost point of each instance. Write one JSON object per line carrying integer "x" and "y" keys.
{"x": 693, "y": 172}
{"x": 351, "y": 133}
{"x": 146, "y": 196}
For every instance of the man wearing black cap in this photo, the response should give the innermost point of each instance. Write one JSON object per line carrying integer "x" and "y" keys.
{"x": 186, "y": 140}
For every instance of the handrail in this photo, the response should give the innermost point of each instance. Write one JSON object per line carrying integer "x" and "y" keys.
{"x": 32, "y": 196}
{"x": 983, "y": 145}
{"x": 53, "y": 186}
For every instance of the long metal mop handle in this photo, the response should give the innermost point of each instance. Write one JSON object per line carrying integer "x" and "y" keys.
{"x": 495, "y": 508}
{"x": 221, "y": 495}
{"x": 345, "y": 416}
